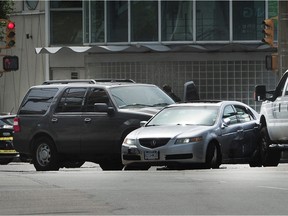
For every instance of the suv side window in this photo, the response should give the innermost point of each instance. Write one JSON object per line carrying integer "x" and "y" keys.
{"x": 37, "y": 101}
{"x": 71, "y": 100}
{"x": 95, "y": 95}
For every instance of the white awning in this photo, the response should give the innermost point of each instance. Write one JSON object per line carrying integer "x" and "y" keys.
{"x": 138, "y": 48}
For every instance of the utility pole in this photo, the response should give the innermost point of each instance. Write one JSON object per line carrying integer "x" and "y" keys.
{"x": 283, "y": 36}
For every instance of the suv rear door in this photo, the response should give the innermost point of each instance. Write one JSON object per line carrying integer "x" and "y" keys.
{"x": 66, "y": 123}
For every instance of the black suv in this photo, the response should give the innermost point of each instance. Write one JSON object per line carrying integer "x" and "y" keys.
{"x": 65, "y": 123}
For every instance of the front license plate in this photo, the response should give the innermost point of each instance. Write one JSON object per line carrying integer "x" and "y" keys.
{"x": 151, "y": 155}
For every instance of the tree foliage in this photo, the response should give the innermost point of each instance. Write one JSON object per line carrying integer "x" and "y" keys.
{"x": 6, "y": 8}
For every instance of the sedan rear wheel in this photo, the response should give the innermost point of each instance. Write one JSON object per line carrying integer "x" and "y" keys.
{"x": 45, "y": 156}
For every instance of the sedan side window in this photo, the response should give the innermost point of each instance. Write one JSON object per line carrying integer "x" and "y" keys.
{"x": 229, "y": 112}
{"x": 243, "y": 115}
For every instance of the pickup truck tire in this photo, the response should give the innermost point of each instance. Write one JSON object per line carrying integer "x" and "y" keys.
{"x": 269, "y": 157}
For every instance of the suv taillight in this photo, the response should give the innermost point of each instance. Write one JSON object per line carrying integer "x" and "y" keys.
{"x": 16, "y": 125}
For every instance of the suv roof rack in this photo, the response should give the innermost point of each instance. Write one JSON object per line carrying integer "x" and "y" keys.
{"x": 114, "y": 80}
{"x": 89, "y": 81}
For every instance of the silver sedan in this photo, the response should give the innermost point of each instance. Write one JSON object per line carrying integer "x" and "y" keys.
{"x": 205, "y": 134}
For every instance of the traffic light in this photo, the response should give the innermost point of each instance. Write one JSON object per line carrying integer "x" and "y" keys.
{"x": 10, "y": 63}
{"x": 10, "y": 34}
{"x": 268, "y": 32}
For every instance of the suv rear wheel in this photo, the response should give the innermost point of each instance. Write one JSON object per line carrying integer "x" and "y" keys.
{"x": 45, "y": 156}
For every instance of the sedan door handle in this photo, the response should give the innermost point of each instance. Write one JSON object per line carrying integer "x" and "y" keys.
{"x": 87, "y": 120}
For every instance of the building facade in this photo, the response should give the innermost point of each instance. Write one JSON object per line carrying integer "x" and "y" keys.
{"x": 216, "y": 44}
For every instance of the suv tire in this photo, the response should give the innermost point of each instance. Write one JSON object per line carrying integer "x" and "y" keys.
{"x": 269, "y": 157}
{"x": 45, "y": 156}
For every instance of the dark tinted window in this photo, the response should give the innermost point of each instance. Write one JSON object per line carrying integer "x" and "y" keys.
{"x": 71, "y": 100}
{"x": 38, "y": 101}
{"x": 95, "y": 96}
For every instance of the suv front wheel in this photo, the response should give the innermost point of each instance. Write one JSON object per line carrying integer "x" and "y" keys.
{"x": 45, "y": 156}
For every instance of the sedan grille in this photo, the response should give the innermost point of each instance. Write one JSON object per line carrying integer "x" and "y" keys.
{"x": 153, "y": 142}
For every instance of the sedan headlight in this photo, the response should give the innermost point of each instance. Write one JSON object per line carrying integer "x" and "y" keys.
{"x": 188, "y": 140}
{"x": 129, "y": 141}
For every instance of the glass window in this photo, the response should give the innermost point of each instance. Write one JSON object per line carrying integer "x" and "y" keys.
{"x": 144, "y": 20}
{"x": 229, "y": 112}
{"x": 96, "y": 96}
{"x": 63, "y": 22}
{"x": 247, "y": 20}
{"x": 273, "y": 12}
{"x": 38, "y": 101}
{"x": 177, "y": 20}
{"x": 66, "y": 16}
{"x": 140, "y": 96}
{"x": 65, "y": 4}
{"x": 97, "y": 22}
{"x": 243, "y": 114}
{"x": 117, "y": 21}
{"x": 212, "y": 20}
{"x": 71, "y": 100}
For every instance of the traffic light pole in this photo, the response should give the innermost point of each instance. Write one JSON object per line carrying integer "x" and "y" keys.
{"x": 283, "y": 36}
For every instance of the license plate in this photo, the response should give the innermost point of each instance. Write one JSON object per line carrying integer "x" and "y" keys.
{"x": 151, "y": 155}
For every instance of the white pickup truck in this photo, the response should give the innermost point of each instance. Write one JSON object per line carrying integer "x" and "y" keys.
{"x": 273, "y": 121}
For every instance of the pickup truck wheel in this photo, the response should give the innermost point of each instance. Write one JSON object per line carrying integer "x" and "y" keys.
{"x": 45, "y": 156}
{"x": 270, "y": 157}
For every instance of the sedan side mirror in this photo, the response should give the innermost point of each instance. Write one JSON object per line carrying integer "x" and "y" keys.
{"x": 226, "y": 123}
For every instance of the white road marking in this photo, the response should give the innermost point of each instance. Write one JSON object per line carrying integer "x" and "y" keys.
{"x": 275, "y": 188}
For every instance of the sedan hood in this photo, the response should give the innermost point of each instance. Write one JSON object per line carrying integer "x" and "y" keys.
{"x": 169, "y": 131}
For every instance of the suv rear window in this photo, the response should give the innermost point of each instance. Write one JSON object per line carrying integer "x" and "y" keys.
{"x": 37, "y": 101}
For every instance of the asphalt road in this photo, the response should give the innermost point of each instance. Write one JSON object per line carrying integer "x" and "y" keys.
{"x": 230, "y": 190}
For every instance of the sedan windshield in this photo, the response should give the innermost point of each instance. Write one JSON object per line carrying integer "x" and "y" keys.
{"x": 140, "y": 96}
{"x": 188, "y": 115}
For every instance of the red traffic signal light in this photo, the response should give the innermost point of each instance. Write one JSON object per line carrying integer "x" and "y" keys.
{"x": 10, "y": 63}
{"x": 11, "y": 25}
{"x": 268, "y": 31}
{"x": 10, "y": 34}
